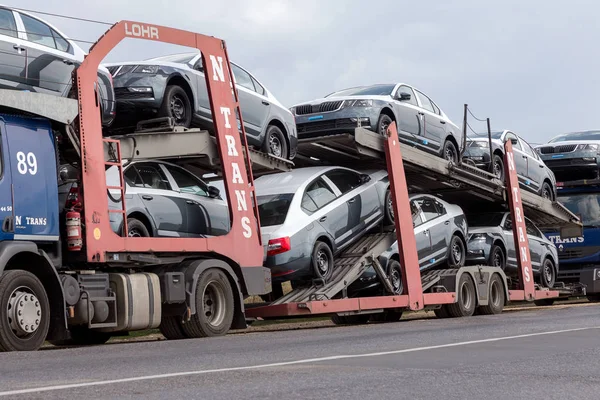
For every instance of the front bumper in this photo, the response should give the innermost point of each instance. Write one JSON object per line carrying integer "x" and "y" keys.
{"x": 478, "y": 156}
{"x": 478, "y": 251}
{"x": 576, "y": 166}
{"x": 344, "y": 120}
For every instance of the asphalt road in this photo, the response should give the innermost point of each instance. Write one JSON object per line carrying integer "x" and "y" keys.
{"x": 541, "y": 353}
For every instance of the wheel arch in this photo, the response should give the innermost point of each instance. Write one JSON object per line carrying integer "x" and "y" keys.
{"x": 452, "y": 139}
{"x": 177, "y": 79}
{"x": 144, "y": 219}
{"x": 286, "y": 135}
{"x": 389, "y": 112}
{"x": 327, "y": 240}
{"x": 27, "y": 257}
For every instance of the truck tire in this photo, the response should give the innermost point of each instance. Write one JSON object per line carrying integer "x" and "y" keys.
{"x": 496, "y": 297}
{"x": 82, "y": 336}
{"x": 466, "y": 298}
{"x": 442, "y": 312}
{"x": 214, "y": 306}
{"x": 171, "y": 328}
{"x": 25, "y": 308}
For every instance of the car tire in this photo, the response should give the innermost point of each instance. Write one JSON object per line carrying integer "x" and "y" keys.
{"x": 322, "y": 261}
{"x": 395, "y": 276}
{"x": 450, "y": 152}
{"x": 136, "y": 228}
{"x": 498, "y": 167}
{"x": 547, "y": 192}
{"x": 456, "y": 252}
{"x": 23, "y": 295}
{"x": 275, "y": 142}
{"x": 497, "y": 257}
{"x": 388, "y": 209}
{"x": 548, "y": 273}
{"x": 383, "y": 123}
{"x": 496, "y": 297}
{"x": 216, "y": 319}
{"x": 177, "y": 105}
{"x": 466, "y": 301}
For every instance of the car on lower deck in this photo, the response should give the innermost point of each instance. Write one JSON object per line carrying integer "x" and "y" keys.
{"x": 37, "y": 57}
{"x": 534, "y": 175}
{"x": 440, "y": 230}
{"x": 491, "y": 242}
{"x": 420, "y": 121}
{"x": 310, "y": 214}
{"x": 175, "y": 86}
{"x": 573, "y": 156}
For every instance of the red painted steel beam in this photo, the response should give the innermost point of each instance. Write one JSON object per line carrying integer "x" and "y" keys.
{"x": 407, "y": 246}
{"x": 242, "y": 243}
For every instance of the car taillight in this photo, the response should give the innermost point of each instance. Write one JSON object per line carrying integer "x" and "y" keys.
{"x": 73, "y": 199}
{"x": 277, "y": 246}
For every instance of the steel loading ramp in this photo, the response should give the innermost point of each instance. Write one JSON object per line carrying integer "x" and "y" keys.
{"x": 463, "y": 184}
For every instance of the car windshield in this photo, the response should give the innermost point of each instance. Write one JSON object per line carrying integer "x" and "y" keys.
{"x": 273, "y": 209}
{"x": 485, "y": 219}
{"x": 176, "y": 58}
{"x": 586, "y": 205}
{"x": 590, "y": 135}
{"x": 495, "y": 135}
{"x": 375, "y": 90}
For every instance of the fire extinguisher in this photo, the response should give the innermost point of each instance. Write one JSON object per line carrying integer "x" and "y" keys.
{"x": 74, "y": 240}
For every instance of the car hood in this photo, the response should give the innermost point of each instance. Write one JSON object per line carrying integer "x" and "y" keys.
{"x": 568, "y": 142}
{"x": 482, "y": 229}
{"x": 338, "y": 98}
{"x": 147, "y": 62}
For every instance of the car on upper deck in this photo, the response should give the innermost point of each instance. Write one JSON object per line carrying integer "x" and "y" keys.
{"x": 573, "y": 156}
{"x": 36, "y": 56}
{"x": 534, "y": 175}
{"x": 421, "y": 122}
{"x": 175, "y": 86}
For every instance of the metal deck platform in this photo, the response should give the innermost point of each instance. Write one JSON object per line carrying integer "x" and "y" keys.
{"x": 55, "y": 108}
{"x": 428, "y": 173}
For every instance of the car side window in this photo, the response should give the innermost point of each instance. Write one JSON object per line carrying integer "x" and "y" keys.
{"x": 8, "y": 26}
{"x": 186, "y": 182}
{"x": 428, "y": 207}
{"x": 242, "y": 78}
{"x": 258, "y": 87}
{"x": 425, "y": 103}
{"x": 345, "y": 180}
{"x": 508, "y": 223}
{"x": 150, "y": 176}
{"x": 440, "y": 207}
{"x": 513, "y": 138}
{"x": 527, "y": 149}
{"x": 531, "y": 229}
{"x": 416, "y": 214}
{"x": 38, "y": 32}
{"x": 319, "y": 193}
{"x": 407, "y": 89}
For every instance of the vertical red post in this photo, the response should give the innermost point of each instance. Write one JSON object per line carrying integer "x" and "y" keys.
{"x": 407, "y": 246}
{"x": 518, "y": 223}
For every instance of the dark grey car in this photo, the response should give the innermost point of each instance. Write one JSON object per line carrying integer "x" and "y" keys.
{"x": 175, "y": 86}
{"x": 491, "y": 242}
{"x": 36, "y": 56}
{"x": 534, "y": 175}
{"x": 309, "y": 214}
{"x": 420, "y": 121}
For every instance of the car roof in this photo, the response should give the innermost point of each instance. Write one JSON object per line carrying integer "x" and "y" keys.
{"x": 288, "y": 182}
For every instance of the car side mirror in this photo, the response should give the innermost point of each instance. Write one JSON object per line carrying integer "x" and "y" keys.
{"x": 404, "y": 96}
{"x": 364, "y": 178}
{"x": 213, "y": 192}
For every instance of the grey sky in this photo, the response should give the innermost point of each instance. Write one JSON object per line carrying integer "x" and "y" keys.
{"x": 530, "y": 65}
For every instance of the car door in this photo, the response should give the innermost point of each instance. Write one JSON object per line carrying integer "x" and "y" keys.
{"x": 321, "y": 201}
{"x": 422, "y": 237}
{"x": 151, "y": 185}
{"x": 520, "y": 158}
{"x": 434, "y": 132}
{"x": 255, "y": 107}
{"x": 409, "y": 114}
{"x": 535, "y": 244}
{"x": 434, "y": 225}
{"x": 12, "y": 67}
{"x": 535, "y": 166}
{"x": 50, "y": 58}
{"x": 205, "y": 215}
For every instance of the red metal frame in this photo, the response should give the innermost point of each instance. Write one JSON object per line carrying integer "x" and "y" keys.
{"x": 527, "y": 288}
{"x": 243, "y": 242}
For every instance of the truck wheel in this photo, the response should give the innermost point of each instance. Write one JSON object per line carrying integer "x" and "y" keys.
{"x": 82, "y": 336}
{"x": 24, "y": 312}
{"x": 496, "y": 297}
{"x": 466, "y": 301}
{"x": 171, "y": 328}
{"x": 214, "y": 306}
{"x": 442, "y": 312}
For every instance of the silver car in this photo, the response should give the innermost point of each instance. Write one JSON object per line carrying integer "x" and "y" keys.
{"x": 491, "y": 242}
{"x": 175, "y": 86}
{"x": 421, "y": 122}
{"x": 309, "y": 214}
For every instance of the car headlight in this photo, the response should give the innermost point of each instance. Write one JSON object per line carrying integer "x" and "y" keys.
{"x": 478, "y": 236}
{"x": 587, "y": 147}
{"x": 357, "y": 103}
{"x": 293, "y": 110}
{"x": 146, "y": 69}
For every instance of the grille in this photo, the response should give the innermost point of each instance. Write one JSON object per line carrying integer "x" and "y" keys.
{"x": 315, "y": 128}
{"x": 124, "y": 94}
{"x": 567, "y": 148}
{"x": 327, "y": 106}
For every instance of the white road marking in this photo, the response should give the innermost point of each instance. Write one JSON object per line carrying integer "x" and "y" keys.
{"x": 279, "y": 364}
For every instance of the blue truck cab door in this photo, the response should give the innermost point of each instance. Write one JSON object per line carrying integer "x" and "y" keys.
{"x": 29, "y": 184}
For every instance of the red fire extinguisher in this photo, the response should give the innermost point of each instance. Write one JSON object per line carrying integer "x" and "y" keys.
{"x": 74, "y": 240}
